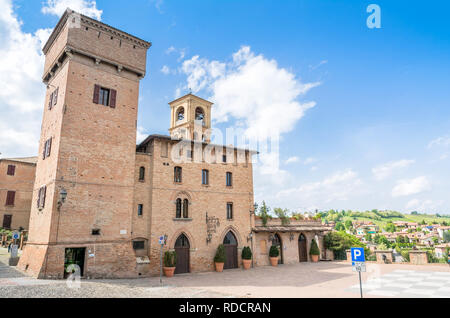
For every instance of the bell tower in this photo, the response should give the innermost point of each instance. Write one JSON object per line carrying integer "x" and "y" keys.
{"x": 190, "y": 118}
{"x": 83, "y": 193}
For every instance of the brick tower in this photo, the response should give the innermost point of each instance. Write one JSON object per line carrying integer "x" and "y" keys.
{"x": 190, "y": 118}
{"x": 83, "y": 194}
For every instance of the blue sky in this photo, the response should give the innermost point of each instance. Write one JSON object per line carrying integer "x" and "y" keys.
{"x": 371, "y": 127}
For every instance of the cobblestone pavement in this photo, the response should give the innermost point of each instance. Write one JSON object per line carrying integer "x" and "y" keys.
{"x": 320, "y": 280}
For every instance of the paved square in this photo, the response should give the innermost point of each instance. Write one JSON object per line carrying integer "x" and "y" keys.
{"x": 408, "y": 283}
{"x": 301, "y": 280}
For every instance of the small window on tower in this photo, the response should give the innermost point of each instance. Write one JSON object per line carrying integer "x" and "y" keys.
{"x": 180, "y": 114}
{"x": 11, "y": 170}
{"x": 104, "y": 96}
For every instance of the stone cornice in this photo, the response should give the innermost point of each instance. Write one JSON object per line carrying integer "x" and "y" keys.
{"x": 95, "y": 24}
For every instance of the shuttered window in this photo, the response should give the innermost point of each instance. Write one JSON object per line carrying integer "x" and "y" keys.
{"x": 53, "y": 100}
{"x": 47, "y": 148}
{"x": 105, "y": 96}
{"x": 10, "y": 198}
{"x": 41, "y": 197}
{"x": 11, "y": 170}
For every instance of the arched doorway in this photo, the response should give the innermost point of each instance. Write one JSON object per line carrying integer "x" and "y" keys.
{"x": 302, "y": 249}
{"x": 230, "y": 244}
{"x": 277, "y": 242}
{"x": 182, "y": 248}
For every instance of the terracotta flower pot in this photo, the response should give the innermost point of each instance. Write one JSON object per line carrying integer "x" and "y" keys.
{"x": 274, "y": 261}
{"x": 315, "y": 258}
{"x": 169, "y": 271}
{"x": 219, "y": 267}
{"x": 247, "y": 263}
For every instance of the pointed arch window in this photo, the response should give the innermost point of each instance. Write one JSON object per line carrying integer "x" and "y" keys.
{"x": 185, "y": 209}
{"x": 178, "y": 209}
{"x": 182, "y": 209}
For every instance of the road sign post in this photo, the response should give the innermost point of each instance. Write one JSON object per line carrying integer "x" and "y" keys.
{"x": 162, "y": 242}
{"x": 358, "y": 264}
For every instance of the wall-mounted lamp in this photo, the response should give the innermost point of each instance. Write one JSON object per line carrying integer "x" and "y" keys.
{"x": 250, "y": 237}
{"x": 62, "y": 198}
{"x": 291, "y": 236}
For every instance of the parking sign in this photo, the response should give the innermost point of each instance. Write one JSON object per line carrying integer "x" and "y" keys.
{"x": 358, "y": 254}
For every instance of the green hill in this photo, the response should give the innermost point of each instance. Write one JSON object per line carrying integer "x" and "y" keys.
{"x": 381, "y": 218}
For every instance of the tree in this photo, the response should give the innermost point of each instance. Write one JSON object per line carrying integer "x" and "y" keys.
{"x": 390, "y": 227}
{"x": 368, "y": 237}
{"x": 446, "y": 236}
{"x": 264, "y": 213}
{"x": 339, "y": 242}
{"x": 435, "y": 240}
{"x": 339, "y": 226}
{"x": 348, "y": 224}
{"x": 283, "y": 214}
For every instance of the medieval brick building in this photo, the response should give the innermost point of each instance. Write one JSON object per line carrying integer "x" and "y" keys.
{"x": 101, "y": 202}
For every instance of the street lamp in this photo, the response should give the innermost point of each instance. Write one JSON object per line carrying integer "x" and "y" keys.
{"x": 62, "y": 198}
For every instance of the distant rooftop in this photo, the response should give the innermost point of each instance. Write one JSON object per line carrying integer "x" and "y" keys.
{"x": 30, "y": 160}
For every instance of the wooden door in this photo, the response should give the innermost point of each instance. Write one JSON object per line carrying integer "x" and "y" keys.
{"x": 230, "y": 244}
{"x": 182, "y": 248}
{"x": 302, "y": 249}
{"x": 7, "y": 220}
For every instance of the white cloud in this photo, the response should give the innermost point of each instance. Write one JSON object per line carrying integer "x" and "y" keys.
{"x": 165, "y": 70}
{"x": 386, "y": 170}
{"x": 313, "y": 67}
{"x": 251, "y": 89}
{"x": 86, "y": 7}
{"x": 411, "y": 186}
{"x": 141, "y": 134}
{"x": 296, "y": 159}
{"x": 292, "y": 160}
{"x": 443, "y": 141}
{"x": 337, "y": 187}
{"x": 22, "y": 93}
{"x": 425, "y": 206}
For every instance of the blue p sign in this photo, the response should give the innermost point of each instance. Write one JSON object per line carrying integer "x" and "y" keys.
{"x": 358, "y": 254}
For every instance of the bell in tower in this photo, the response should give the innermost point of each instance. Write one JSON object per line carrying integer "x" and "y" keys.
{"x": 190, "y": 118}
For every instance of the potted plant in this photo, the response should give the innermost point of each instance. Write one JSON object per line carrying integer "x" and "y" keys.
{"x": 274, "y": 252}
{"x": 170, "y": 263}
{"x": 247, "y": 257}
{"x": 314, "y": 251}
{"x": 219, "y": 259}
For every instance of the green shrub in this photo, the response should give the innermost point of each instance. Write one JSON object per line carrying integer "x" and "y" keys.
{"x": 246, "y": 253}
{"x": 220, "y": 254}
{"x": 314, "y": 249}
{"x": 372, "y": 258}
{"x": 170, "y": 259}
{"x": 274, "y": 251}
{"x": 405, "y": 255}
